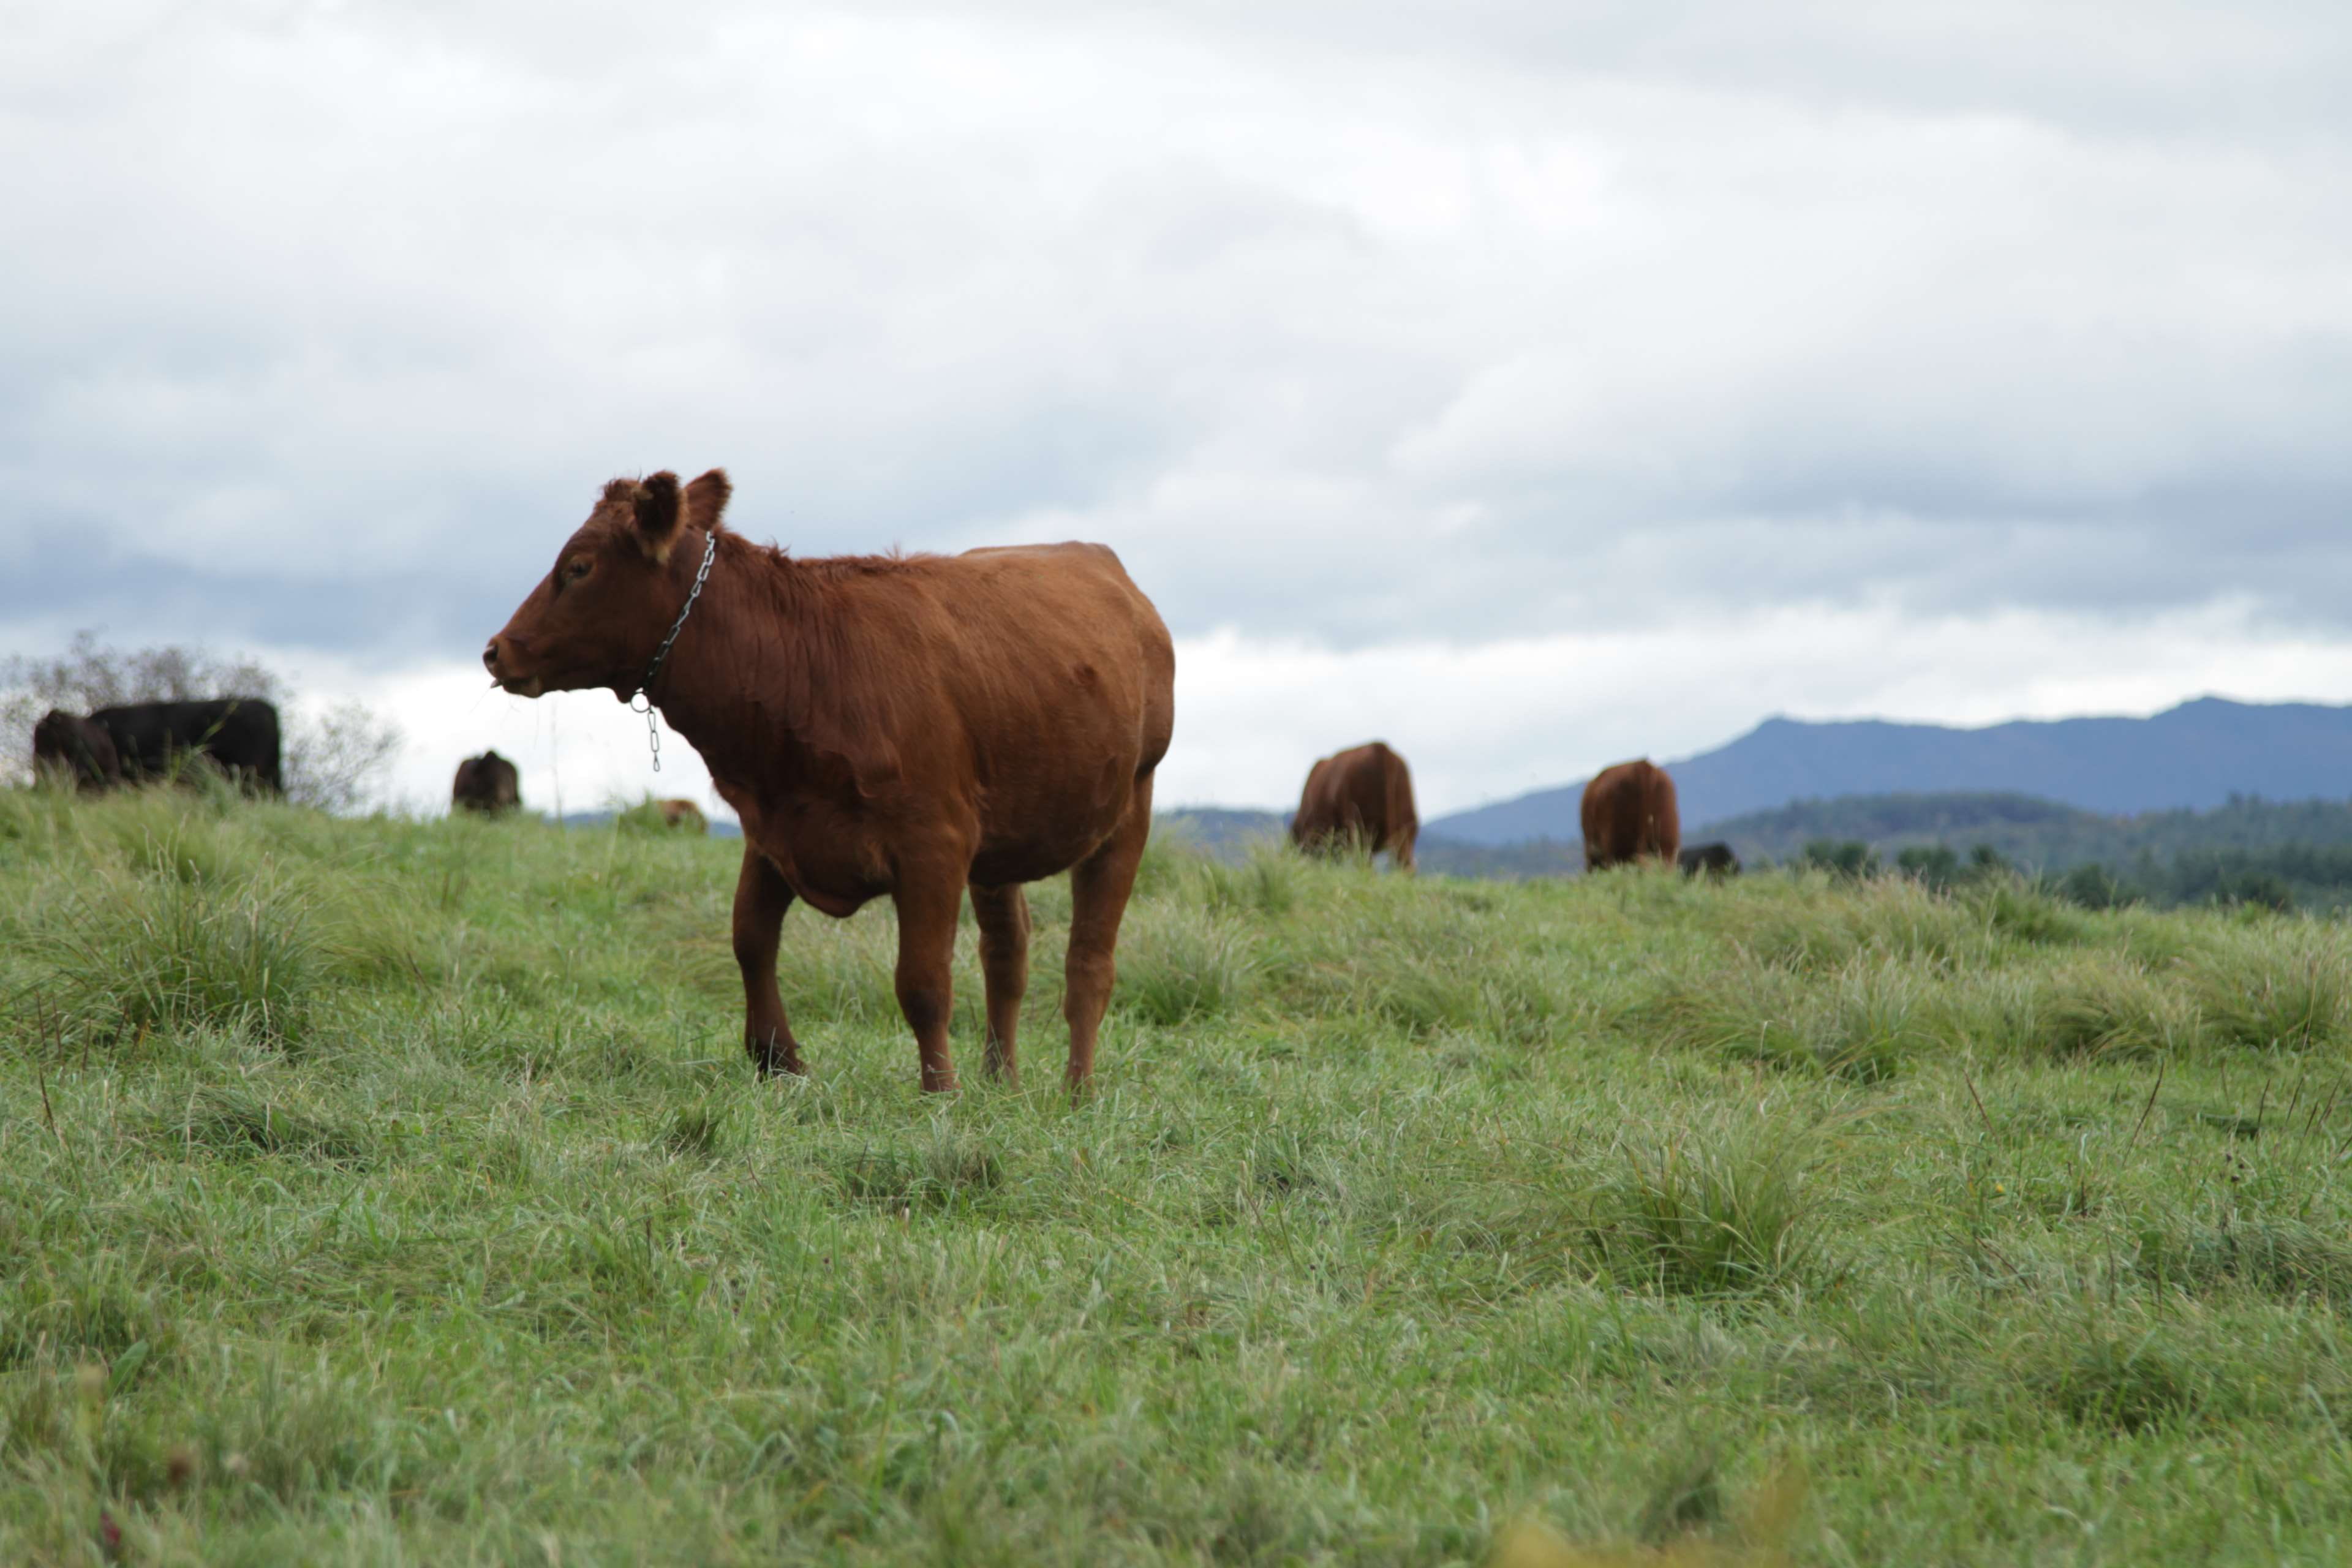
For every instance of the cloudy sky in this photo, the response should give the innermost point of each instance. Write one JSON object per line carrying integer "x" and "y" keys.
{"x": 1528, "y": 381}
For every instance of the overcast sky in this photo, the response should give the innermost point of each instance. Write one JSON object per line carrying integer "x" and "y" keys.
{"x": 1532, "y": 384}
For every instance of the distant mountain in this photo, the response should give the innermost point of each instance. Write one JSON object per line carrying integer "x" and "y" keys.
{"x": 2192, "y": 757}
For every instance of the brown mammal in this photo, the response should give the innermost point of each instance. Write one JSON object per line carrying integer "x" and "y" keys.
{"x": 884, "y": 725}
{"x": 68, "y": 743}
{"x": 683, "y": 814}
{"x": 1362, "y": 795}
{"x": 487, "y": 783}
{"x": 1629, "y": 814}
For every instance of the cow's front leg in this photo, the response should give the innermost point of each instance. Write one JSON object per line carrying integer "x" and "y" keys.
{"x": 761, "y": 897}
{"x": 928, "y": 907}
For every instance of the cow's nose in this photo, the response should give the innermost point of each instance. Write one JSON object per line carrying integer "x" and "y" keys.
{"x": 491, "y": 656}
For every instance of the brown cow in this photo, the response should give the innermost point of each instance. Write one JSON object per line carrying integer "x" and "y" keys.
{"x": 1361, "y": 796}
{"x": 900, "y": 725}
{"x": 79, "y": 748}
{"x": 682, "y": 815}
{"x": 1630, "y": 815}
{"x": 487, "y": 784}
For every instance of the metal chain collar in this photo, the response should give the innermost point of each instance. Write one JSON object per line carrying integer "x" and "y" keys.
{"x": 645, "y": 686}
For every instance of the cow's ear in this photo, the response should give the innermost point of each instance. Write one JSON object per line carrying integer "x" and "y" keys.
{"x": 706, "y": 500}
{"x": 660, "y": 513}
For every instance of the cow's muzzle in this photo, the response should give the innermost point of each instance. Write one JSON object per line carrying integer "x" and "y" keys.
{"x": 497, "y": 657}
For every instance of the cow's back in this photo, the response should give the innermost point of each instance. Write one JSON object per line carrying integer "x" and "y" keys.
{"x": 1364, "y": 791}
{"x": 1629, "y": 813}
{"x": 1072, "y": 608}
{"x": 240, "y": 733}
{"x": 1026, "y": 645}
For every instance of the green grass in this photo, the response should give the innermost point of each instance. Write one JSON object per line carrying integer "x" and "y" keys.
{"x": 397, "y": 1192}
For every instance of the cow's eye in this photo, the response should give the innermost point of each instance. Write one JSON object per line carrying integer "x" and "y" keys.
{"x": 577, "y": 569}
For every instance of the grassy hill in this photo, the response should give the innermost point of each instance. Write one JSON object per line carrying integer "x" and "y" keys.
{"x": 377, "y": 1191}
{"x": 1233, "y": 835}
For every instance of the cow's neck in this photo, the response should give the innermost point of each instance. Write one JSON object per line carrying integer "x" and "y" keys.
{"x": 731, "y": 686}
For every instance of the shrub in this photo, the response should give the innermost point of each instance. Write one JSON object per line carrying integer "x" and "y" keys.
{"x": 235, "y": 1119}
{"x": 2009, "y": 906}
{"x": 1180, "y": 963}
{"x": 2121, "y": 1383}
{"x": 2091, "y": 886}
{"x": 2105, "y": 1008}
{"x": 1937, "y": 865}
{"x": 2273, "y": 988}
{"x": 1265, "y": 884}
{"x": 1850, "y": 859}
{"x": 1716, "y": 1211}
{"x": 2289, "y": 1260}
{"x": 951, "y": 1170}
{"x": 158, "y": 952}
{"x": 1871, "y": 1024}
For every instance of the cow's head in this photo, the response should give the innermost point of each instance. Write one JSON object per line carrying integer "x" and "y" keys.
{"x": 618, "y": 584}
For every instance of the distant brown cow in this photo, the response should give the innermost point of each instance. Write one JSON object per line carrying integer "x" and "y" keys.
{"x": 487, "y": 784}
{"x": 898, "y": 725}
{"x": 1361, "y": 796}
{"x": 1629, "y": 816}
{"x": 81, "y": 748}
{"x": 682, "y": 815}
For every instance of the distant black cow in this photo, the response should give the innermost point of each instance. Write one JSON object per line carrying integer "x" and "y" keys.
{"x": 487, "y": 784}
{"x": 238, "y": 734}
{"x": 1715, "y": 860}
{"x": 68, "y": 743}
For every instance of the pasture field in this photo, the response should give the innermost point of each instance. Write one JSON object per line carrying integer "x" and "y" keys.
{"x": 394, "y": 1192}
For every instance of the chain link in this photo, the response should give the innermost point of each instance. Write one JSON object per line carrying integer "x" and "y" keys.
{"x": 645, "y": 686}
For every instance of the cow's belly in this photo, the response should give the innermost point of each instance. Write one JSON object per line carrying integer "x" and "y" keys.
{"x": 1054, "y": 830}
{"x": 829, "y": 866}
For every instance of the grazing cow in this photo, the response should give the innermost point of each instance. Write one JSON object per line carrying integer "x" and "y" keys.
{"x": 1629, "y": 816}
{"x": 683, "y": 814}
{"x": 487, "y": 783}
{"x": 1361, "y": 796}
{"x": 67, "y": 744}
{"x": 905, "y": 726}
{"x": 1715, "y": 860}
{"x": 239, "y": 734}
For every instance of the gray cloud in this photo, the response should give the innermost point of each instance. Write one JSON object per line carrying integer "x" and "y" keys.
{"x": 1359, "y": 324}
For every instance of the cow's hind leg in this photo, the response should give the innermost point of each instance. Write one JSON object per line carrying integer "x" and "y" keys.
{"x": 1003, "y": 914}
{"x": 761, "y": 897}
{"x": 1100, "y": 886}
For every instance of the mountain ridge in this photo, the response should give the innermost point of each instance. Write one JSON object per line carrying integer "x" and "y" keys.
{"x": 2194, "y": 756}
